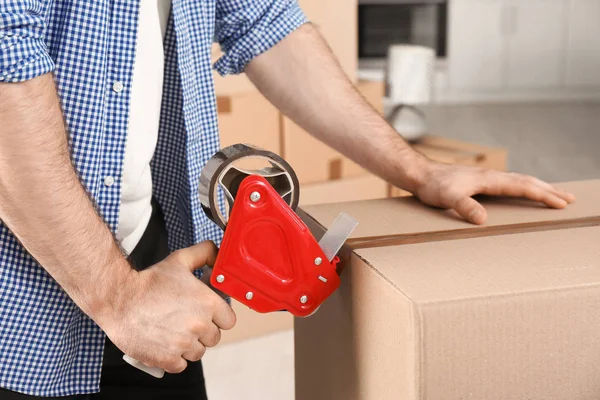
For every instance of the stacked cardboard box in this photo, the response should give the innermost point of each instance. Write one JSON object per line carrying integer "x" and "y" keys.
{"x": 337, "y": 21}
{"x": 432, "y": 307}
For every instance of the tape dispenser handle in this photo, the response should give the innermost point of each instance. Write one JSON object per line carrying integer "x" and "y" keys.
{"x": 154, "y": 371}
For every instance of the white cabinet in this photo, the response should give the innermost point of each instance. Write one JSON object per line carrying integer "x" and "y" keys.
{"x": 476, "y": 45}
{"x": 535, "y": 35}
{"x": 583, "y": 54}
{"x": 522, "y": 50}
{"x": 499, "y": 44}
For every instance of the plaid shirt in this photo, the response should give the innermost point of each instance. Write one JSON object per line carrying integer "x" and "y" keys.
{"x": 48, "y": 347}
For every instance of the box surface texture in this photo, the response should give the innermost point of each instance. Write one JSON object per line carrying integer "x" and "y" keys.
{"x": 432, "y": 307}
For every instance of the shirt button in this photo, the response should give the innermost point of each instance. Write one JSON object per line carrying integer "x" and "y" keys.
{"x": 117, "y": 87}
{"x": 109, "y": 181}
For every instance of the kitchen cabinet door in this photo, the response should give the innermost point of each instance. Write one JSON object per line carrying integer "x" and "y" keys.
{"x": 536, "y": 43}
{"x": 476, "y": 44}
{"x": 583, "y": 54}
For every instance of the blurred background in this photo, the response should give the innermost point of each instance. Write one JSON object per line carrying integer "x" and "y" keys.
{"x": 505, "y": 84}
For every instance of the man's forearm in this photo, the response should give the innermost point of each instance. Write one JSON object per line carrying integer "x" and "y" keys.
{"x": 301, "y": 77}
{"x": 43, "y": 202}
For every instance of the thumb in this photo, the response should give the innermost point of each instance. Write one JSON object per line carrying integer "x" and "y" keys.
{"x": 470, "y": 210}
{"x": 198, "y": 255}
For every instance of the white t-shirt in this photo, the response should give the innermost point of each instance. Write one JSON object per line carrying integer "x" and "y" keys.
{"x": 146, "y": 96}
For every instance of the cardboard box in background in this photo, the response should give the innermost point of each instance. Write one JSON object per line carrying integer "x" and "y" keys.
{"x": 457, "y": 152}
{"x": 337, "y": 21}
{"x": 349, "y": 189}
{"x": 316, "y": 162}
{"x": 249, "y": 118}
{"x": 432, "y": 307}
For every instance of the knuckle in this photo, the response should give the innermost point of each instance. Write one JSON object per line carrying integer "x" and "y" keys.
{"x": 181, "y": 343}
{"x": 197, "y": 353}
{"x": 214, "y": 338}
{"x": 446, "y": 186}
{"x": 177, "y": 255}
{"x": 531, "y": 180}
{"x": 198, "y": 326}
{"x": 175, "y": 365}
{"x": 488, "y": 174}
{"x": 201, "y": 352}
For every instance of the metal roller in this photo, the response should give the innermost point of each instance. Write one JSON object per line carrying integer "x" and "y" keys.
{"x": 220, "y": 171}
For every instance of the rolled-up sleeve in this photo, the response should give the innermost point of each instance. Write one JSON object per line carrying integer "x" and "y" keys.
{"x": 247, "y": 28}
{"x": 23, "y": 51}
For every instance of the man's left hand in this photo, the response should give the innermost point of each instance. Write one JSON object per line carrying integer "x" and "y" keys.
{"x": 452, "y": 187}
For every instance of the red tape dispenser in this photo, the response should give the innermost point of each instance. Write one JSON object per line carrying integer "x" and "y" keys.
{"x": 269, "y": 260}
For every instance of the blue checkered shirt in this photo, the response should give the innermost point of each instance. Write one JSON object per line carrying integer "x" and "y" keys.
{"x": 48, "y": 347}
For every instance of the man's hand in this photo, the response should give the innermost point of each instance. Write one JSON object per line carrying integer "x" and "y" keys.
{"x": 452, "y": 187}
{"x": 301, "y": 77}
{"x": 164, "y": 316}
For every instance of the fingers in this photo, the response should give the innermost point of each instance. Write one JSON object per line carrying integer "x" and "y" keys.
{"x": 517, "y": 185}
{"x": 470, "y": 210}
{"x": 196, "y": 352}
{"x": 210, "y": 336}
{"x": 568, "y": 197}
{"x": 197, "y": 256}
{"x": 223, "y": 316}
{"x": 176, "y": 366}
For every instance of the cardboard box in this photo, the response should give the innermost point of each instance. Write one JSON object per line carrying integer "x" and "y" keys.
{"x": 432, "y": 307}
{"x": 457, "y": 152}
{"x": 316, "y": 162}
{"x": 350, "y": 189}
{"x": 337, "y": 21}
{"x": 249, "y": 118}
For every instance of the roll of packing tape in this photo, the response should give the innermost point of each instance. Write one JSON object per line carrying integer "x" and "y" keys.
{"x": 220, "y": 172}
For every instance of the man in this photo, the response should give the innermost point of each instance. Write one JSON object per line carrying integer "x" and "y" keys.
{"x": 107, "y": 116}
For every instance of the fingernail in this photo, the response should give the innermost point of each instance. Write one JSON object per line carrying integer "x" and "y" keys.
{"x": 475, "y": 216}
{"x": 563, "y": 203}
{"x": 568, "y": 197}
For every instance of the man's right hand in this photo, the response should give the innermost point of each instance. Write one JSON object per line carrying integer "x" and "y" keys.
{"x": 165, "y": 316}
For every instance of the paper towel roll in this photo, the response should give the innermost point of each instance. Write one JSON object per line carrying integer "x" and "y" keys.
{"x": 410, "y": 74}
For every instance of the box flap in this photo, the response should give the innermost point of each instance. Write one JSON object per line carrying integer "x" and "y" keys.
{"x": 407, "y": 220}
{"x": 491, "y": 266}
